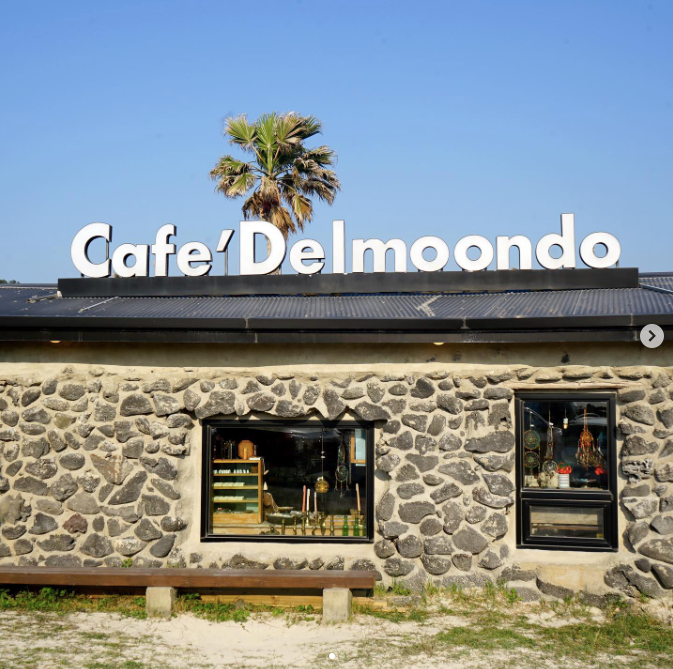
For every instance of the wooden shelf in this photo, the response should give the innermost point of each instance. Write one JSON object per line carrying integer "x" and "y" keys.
{"x": 251, "y": 513}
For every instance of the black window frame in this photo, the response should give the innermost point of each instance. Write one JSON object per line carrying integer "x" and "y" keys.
{"x": 210, "y": 424}
{"x": 527, "y": 497}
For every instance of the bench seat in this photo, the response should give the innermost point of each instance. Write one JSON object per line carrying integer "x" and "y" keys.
{"x": 163, "y": 583}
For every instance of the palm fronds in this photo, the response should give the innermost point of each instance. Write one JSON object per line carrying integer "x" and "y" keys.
{"x": 284, "y": 174}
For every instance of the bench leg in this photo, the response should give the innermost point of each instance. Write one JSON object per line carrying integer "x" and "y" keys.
{"x": 336, "y": 605}
{"x": 159, "y": 602}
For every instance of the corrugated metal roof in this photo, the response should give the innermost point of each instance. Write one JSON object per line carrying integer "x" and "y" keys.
{"x": 19, "y": 302}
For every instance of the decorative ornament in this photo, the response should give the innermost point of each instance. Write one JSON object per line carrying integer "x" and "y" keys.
{"x": 531, "y": 444}
{"x": 341, "y": 473}
{"x": 549, "y": 467}
{"x": 321, "y": 486}
{"x": 586, "y": 447}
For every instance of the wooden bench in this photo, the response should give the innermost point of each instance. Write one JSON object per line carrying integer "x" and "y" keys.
{"x": 162, "y": 584}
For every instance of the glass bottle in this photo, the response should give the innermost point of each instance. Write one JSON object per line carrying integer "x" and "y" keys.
{"x": 344, "y": 529}
{"x": 356, "y": 527}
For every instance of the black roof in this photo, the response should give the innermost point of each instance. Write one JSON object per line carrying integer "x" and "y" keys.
{"x": 37, "y": 312}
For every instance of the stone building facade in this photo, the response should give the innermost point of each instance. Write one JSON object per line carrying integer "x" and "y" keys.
{"x": 101, "y": 447}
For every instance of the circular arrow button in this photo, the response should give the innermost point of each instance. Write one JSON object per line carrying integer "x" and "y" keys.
{"x": 652, "y": 336}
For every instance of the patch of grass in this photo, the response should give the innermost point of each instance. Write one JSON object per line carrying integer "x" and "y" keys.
{"x": 51, "y": 600}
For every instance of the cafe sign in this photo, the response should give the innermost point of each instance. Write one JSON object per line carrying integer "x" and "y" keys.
{"x": 307, "y": 256}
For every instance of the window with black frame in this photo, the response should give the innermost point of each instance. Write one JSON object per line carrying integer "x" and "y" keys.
{"x": 288, "y": 480}
{"x": 566, "y": 472}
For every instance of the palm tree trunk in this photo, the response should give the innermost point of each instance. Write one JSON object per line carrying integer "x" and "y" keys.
{"x": 268, "y": 253}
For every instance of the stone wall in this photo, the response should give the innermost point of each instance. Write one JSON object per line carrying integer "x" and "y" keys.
{"x": 99, "y": 466}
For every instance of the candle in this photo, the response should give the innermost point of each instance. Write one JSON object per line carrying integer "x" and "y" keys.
{"x": 357, "y": 492}
{"x": 303, "y": 500}
{"x": 308, "y": 500}
{"x": 315, "y": 502}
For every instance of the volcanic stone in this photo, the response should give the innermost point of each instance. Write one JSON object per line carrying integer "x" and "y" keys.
{"x": 658, "y": 549}
{"x": 435, "y": 565}
{"x": 414, "y": 512}
{"x": 371, "y": 412}
{"x": 498, "y": 484}
{"x": 663, "y": 573}
{"x": 335, "y": 407}
{"x": 392, "y": 529}
{"x": 395, "y": 567}
{"x": 430, "y": 526}
{"x": 404, "y": 442}
{"x": 462, "y": 561}
{"x": 57, "y": 542}
{"x": 42, "y": 524}
{"x": 469, "y": 540}
{"x": 130, "y": 491}
{"x": 128, "y": 545}
{"x": 172, "y": 524}
{"x": 499, "y": 442}
{"x": 425, "y": 444}
{"x": 375, "y": 392}
{"x": 161, "y": 467}
{"x": 72, "y": 391}
{"x": 84, "y": 503}
{"x": 384, "y": 549}
{"x": 450, "y": 404}
{"x": 482, "y": 496}
{"x": 639, "y": 413}
{"x": 261, "y": 402}
{"x": 409, "y": 546}
{"x": 407, "y": 472}
{"x": 424, "y": 463}
{"x": 166, "y": 489}
{"x": 287, "y": 409}
{"x": 72, "y": 461}
{"x": 388, "y": 462}
{"x": 637, "y": 470}
{"x": 42, "y": 468}
{"x": 475, "y": 514}
{"x": 31, "y": 485}
{"x": 450, "y": 443}
{"x": 76, "y": 524}
{"x": 495, "y": 525}
{"x": 461, "y": 471}
{"x": 447, "y": 491}
{"x": 641, "y": 507}
{"x": 13, "y": 532}
{"x": 453, "y": 517}
{"x": 664, "y": 472}
{"x": 147, "y": 531}
{"x": 491, "y": 560}
{"x": 666, "y": 416}
{"x": 409, "y": 490}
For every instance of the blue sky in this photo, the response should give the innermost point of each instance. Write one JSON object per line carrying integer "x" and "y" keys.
{"x": 449, "y": 118}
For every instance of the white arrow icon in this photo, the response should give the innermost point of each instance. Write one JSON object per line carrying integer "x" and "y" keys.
{"x": 652, "y": 336}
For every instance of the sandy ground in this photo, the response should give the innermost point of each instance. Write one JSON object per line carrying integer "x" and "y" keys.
{"x": 109, "y": 641}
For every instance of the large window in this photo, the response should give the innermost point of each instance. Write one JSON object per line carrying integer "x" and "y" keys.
{"x": 288, "y": 481}
{"x": 566, "y": 472}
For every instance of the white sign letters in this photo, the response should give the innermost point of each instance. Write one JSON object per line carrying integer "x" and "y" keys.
{"x": 307, "y": 256}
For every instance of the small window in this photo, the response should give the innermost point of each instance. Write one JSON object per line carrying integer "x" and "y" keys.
{"x": 566, "y": 472}
{"x": 288, "y": 481}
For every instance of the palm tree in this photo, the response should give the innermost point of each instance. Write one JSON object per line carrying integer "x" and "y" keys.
{"x": 283, "y": 174}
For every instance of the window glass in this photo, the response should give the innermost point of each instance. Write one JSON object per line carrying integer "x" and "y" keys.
{"x": 565, "y": 444}
{"x": 567, "y": 522}
{"x": 308, "y": 482}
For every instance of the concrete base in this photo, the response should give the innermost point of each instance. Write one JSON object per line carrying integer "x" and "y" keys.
{"x": 336, "y": 605}
{"x": 159, "y": 602}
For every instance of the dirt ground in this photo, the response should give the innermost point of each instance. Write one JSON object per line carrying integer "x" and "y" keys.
{"x": 108, "y": 640}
